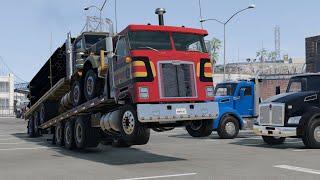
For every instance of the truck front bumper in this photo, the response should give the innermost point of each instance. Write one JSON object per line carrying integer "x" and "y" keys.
{"x": 275, "y": 131}
{"x": 173, "y": 112}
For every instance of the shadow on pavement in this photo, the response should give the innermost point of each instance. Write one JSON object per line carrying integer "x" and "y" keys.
{"x": 212, "y": 136}
{"x": 104, "y": 154}
{"x": 288, "y": 144}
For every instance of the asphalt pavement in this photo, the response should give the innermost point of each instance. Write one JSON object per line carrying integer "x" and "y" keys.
{"x": 172, "y": 155}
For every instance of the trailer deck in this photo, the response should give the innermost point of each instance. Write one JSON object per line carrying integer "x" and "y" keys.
{"x": 54, "y": 94}
{"x": 86, "y": 108}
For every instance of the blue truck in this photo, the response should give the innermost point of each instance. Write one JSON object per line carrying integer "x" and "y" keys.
{"x": 238, "y": 103}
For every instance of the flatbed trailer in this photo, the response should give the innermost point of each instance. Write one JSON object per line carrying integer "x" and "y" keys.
{"x": 101, "y": 85}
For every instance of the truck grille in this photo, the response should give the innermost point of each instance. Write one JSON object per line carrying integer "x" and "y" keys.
{"x": 272, "y": 114}
{"x": 177, "y": 80}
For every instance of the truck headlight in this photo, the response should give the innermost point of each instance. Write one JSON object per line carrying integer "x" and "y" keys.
{"x": 209, "y": 91}
{"x": 144, "y": 92}
{"x": 294, "y": 120}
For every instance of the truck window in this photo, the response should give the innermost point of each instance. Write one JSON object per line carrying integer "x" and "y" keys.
{"x": 149, "y": 40}
{"x": 247, "y": 91}
{"x": 92, "y": 39}
{"x": 297, "y": 84}
{"x": 78, "y": 44}
{"x": 188, "y": 42}
{"x": 226, "y": 89}
{"x": 122, "y": 47}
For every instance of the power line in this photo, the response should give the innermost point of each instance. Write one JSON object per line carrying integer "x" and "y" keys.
{"x": 10, "y": 71}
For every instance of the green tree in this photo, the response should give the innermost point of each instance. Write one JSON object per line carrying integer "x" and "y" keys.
{"x": 214, "y": 46}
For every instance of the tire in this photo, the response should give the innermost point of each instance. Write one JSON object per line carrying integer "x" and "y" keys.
{"x": 132, "y": 131}
{"x": 47, "y": 111}
{"x": 77, "y": 93}
{"x": 120, "y": 143}
{"x": 201, "y": 128}
{"x": 31, "y": 128}
{"x": 85, "y": 136}
{"x": 92, "y": 85}
{"x": 228, "y": 127}
{"x": 311, "y": 136}
{"x": 36, "y": 124}
{"x": 273, "y": 140}
{"x": 59, "y": 134}
{"x": 69, "y": 141}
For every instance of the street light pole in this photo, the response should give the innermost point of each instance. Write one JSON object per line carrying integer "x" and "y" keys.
{"x": 224, "y": 35}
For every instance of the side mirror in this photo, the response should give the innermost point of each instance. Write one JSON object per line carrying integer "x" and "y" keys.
{"x": 109, "y": 47}
{"x": 278, "y": 90}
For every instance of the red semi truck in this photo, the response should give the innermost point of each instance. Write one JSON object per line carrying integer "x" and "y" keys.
{"x": 116, "y": 87}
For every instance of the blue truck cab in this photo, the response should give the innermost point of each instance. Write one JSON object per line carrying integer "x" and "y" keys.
{"x": 238, "y": 101}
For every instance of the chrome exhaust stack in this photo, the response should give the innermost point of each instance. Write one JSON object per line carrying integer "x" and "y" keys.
{"x": 160, "y": 12}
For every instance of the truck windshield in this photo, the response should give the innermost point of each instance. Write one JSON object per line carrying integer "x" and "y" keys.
{"x": 92, "y": 39}
{"x": 226, "y": 89}
{"x": 304, "y": 83}
{"x": 188, "y": 42}
{"x": 149, "y": 40}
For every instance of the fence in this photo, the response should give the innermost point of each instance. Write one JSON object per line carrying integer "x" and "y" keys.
{"x": 7, "y": 111}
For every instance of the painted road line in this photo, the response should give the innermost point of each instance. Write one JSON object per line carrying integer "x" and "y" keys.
{"x": 34, "y": 148}
{"x": 299, "y": 169}
{"x": 15, "y": 143}
{"x": 299, "y": 150}
{"x": 163, "y": 176}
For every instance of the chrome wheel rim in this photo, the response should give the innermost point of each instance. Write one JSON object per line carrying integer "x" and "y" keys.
{"x": 317, "y": 133}
{"x": 89, "y": 85}
{"x": 196, "y": 125}
{"x": 128, "y": 122}
{"x": 230, "y": 128}
{"x": 78, "y": 133}
{"x": 76, "y": 94}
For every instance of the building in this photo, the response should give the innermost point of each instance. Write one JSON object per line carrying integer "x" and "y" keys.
{"x": 271, "y": 74}
{"x": 313, "y": 54}
{"x": 7, "y": 95}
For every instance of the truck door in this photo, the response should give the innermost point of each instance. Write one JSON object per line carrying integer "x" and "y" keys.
{"x": 244, "y": 101}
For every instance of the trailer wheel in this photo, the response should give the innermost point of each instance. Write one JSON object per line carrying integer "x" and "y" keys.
{"x": 273, "y": 140}
{"x": 92, "y": 85}
{"x": 228, "y": 127}
{"x": 311, "y": 136}
{"x": 36, "y": 124}
{"x": 132, "y": 131}
{"x": 200, "y": 128}
{"x": 69, "y": 141}
{"x": 47, "y": 110}
{"x": 31, "y": 128}
{"x": 85, "y": 136}
{"x": 59, "y": 134}
{"x": 77, "y": 93}
{"x": 120, "y": 143}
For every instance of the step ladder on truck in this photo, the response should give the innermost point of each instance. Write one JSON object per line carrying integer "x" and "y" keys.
{"x": 116, "y": 87}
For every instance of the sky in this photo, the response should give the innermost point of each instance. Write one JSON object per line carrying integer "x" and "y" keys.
{"x": 26, "y": 26}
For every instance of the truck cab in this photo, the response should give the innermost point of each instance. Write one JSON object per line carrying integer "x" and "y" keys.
{"x": 295, "y": 113}
{"x": 237, "y": 102}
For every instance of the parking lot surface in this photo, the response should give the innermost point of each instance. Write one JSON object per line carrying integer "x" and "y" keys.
{"x": 168, "y": 155}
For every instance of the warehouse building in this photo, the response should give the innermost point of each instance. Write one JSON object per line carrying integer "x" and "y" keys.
{"x": 7, "y": 95}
